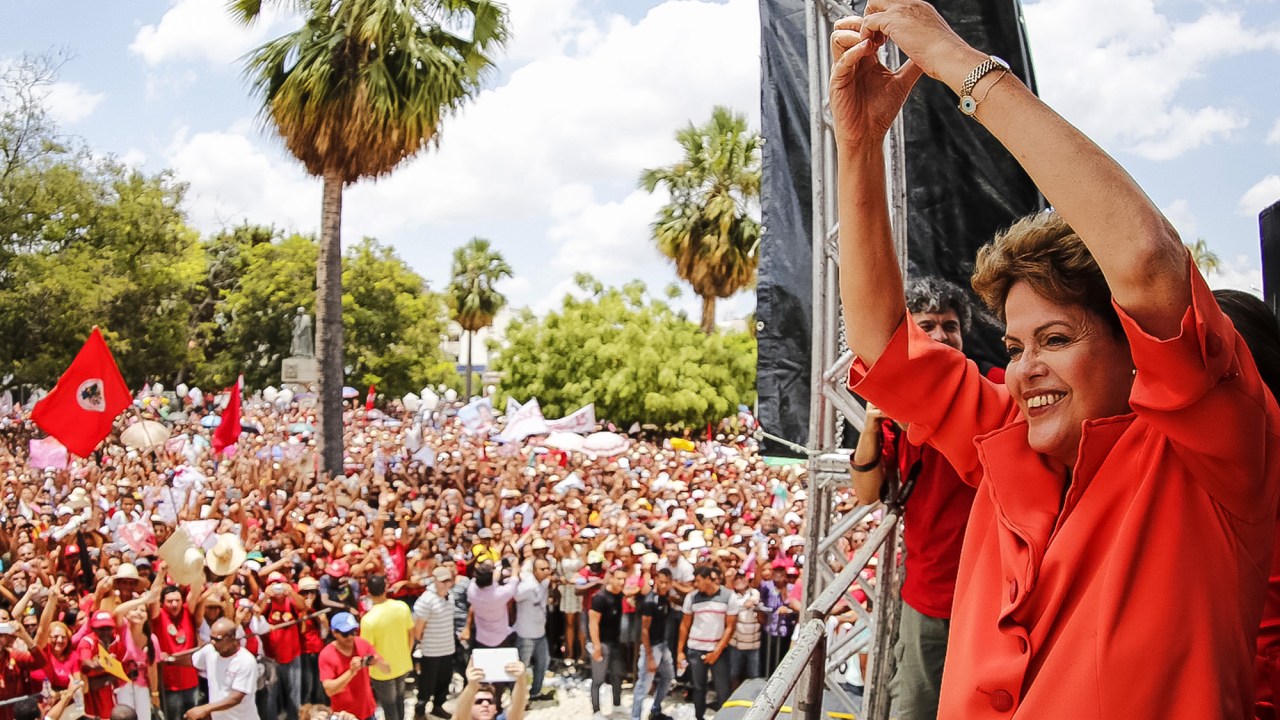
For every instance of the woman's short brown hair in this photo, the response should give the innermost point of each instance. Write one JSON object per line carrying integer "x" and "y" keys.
{"x": 1043, "y": 251}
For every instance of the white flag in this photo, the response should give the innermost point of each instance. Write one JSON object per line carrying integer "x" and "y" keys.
{"x": 582, "y": 420}
{"x": 524, "y": 422}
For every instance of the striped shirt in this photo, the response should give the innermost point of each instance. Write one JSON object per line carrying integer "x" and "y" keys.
{"x": 437, "y": 636}
{"x": 709, "y": 613}
{"x": 746, "y": 634}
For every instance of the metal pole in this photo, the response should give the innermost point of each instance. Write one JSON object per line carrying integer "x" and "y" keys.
{"x": 818, "y": 231}
{"x": 811, "y": 706}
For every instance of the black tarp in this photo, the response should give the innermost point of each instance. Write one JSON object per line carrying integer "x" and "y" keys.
{"x": 962, "y": 187}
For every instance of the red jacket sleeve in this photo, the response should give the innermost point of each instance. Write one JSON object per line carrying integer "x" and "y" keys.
{"x": 1202, "y": 390}
{"x": 939, "y": 393}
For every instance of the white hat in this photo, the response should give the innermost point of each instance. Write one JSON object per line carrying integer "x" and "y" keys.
{"x": 78, "y": 500}
{"x": 226, "y": 556}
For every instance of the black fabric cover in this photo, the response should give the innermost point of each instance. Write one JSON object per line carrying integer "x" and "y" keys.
{"x": 784, "y": 300}
{"x": 1269, "y": 226}
{"x": 962, "y": 187}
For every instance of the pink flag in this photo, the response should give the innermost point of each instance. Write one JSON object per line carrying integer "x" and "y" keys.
{"x": 47, "y": 453}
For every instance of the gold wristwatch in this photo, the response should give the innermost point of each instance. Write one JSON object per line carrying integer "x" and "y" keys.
{"x": 968, "y": 105}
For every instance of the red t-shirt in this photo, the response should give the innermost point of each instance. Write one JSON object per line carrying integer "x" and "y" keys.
{"x": 15, "y": 668}
{"x": 357, "y": 697}
{"x": 99, "y": 696}
{"x": 57, "y": 671}
{"x": 312, "y": 640}
{"x": 933, "y": 524}
{"x": 284, "y": 644}
{"x": 172, "y": 637}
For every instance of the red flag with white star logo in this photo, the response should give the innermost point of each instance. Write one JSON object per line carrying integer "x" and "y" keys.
{"x": 87, "y": 399}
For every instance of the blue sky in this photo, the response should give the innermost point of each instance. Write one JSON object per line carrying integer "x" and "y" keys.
{"x": 590, "y": 92}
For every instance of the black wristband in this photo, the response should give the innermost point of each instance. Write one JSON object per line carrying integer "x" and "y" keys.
{"x": 866, "y": 467}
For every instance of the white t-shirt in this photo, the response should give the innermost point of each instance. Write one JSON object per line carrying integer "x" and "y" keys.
{"x": 226, "y": 675}
{"x": 681, "y": 572}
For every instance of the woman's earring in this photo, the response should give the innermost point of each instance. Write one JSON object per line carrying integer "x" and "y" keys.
{"x": 1135, "y": 371}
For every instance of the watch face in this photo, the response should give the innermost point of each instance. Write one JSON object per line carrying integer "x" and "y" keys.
{"x": 1001, "y": 62}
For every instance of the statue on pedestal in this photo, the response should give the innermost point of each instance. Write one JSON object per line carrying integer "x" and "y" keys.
{"x": 304, "y": 344}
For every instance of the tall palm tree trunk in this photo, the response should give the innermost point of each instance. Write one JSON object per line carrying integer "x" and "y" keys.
{"x": 708, "y": 314}
{"x": 470, "y": 363}
{"x": 329, "y": 326}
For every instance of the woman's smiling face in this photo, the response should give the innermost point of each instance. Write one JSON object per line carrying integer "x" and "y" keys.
{"x": 1066, "y": 366}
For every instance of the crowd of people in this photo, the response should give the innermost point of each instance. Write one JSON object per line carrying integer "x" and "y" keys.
{"x": 239, "y": 586}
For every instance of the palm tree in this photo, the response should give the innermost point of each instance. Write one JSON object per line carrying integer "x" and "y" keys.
{"x": 1204, "y": 258}
{"x": 706, "y": 228}
{"x": 477, "y": 267}
{"x": 362, "y": 86}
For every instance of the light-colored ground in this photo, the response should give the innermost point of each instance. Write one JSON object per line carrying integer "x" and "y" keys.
{"x": 573, "y": 701}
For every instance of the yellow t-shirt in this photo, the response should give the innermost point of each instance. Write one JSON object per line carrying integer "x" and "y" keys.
{"x": 388, "y": 627}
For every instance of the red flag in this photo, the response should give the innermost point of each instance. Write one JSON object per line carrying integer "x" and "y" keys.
{"x": 228, "y": 431}
{"x": 87, "y": 399}
{"x": 368, "y": 399}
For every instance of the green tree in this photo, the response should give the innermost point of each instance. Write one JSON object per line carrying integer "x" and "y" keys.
{"x": 1204, "y": 258}
{"x": 635, "y": 357}
{"x": 252, "y": 319}
{"x": 98, "y": 244}
{"x": 706, "y": 228}
{"x": 474, "y": 301}
{"x": 359, "y": 88}
{"x": 393, "y": 321}
{"x": 85, "y": 241}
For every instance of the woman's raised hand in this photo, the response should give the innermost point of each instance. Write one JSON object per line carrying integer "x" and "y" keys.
{"x": 920, "y": 32}
{"x": 865, "y": 95}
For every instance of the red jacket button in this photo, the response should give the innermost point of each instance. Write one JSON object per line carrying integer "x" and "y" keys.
{"x": 1001, "y": 701}
{"x": 1013, "y": 590}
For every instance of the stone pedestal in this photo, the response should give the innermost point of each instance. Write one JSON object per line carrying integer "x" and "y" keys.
{"x": 299, "y": 371}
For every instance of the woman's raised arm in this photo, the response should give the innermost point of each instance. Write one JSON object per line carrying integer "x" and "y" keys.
{"x": 1138, "y": 250}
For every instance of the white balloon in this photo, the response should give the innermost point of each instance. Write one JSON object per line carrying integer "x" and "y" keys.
{"x": 269, "y": 393}
{"x": 489, "y": 390}
{"x": 181, "y": 389}
{"x": 429, "y": 399}
{"x": 285, "y": 396}
{"x": 450, "y": 395}
{"x": 411, "y": 402}
{"x": 157, "y": 388}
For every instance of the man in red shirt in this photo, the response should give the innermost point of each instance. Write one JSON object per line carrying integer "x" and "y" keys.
{"x": 173, "y": 623}
{"x": 283, "y": 607}
{"x": 344, "y": 669}
{"x": 15, "y": 667}
{"x": 99, "y": 696}
{"x": 934, "y": 518}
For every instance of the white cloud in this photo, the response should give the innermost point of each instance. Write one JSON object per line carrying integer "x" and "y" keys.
{"x": 610, "y": 240}
{"x": 1184, "y": 221}
{"x": 546, "y": 163}
{"x": 1240, "y": 273}
{"x": 1265, "y": 192}
{"x": 134, "y": 158}
{"x": 1116, "y": 68}
{"x": 202, "y": 30}
{"x": 69, "y": 103}
{"x": 233, "y": 179}
{"x": 1273, "y": 137}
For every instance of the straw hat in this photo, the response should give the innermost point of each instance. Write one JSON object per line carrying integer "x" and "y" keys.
{"x": 226, "y": 556}
{"x": 78, "y": 500}
{"x": 127, "y": 571}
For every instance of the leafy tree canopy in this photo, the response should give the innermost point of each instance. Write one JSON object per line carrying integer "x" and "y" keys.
{"x": 632, "y": 355}
{"x": 393, "y": 322}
